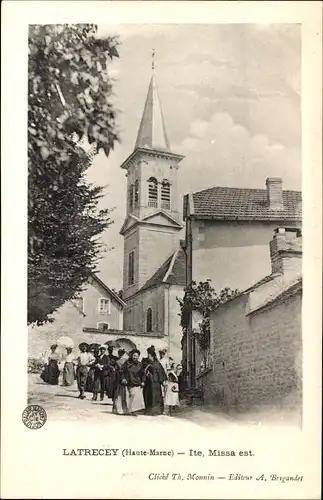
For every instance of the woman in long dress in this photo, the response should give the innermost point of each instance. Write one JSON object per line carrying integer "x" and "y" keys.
{"x": 69, "y": 369}
{"x": 120, "y": 401}
{"x": 50, "y": 373}
{"x": 135, "y": 377}
{"x": 111, "y": 374}
{"x": 155, "y": 379}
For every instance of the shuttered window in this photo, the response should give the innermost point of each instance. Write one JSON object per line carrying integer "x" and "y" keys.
{"x": 137, "y": 194}
{"x": 131, "y": 268}
{"x": 131, "y": 193}
{"x": 104, "y": 306}
{"x": 103, "y": 326}
{"x": 165, "y": 194}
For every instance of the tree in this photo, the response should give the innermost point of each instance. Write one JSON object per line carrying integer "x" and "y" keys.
{"x": 69, "y": 95}
{"x": 203, "y": 298}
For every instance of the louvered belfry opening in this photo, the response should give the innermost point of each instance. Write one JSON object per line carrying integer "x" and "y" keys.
{"x": 165, "y": 194}
{"x": 137, "y": 194}
{"x": 131, "y": 198}
{"x": 152, "y": 192}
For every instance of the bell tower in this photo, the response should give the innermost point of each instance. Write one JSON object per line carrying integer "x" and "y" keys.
{"x": 152, "y": 225}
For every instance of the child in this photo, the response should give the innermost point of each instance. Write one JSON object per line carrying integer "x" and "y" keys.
{"x": 171, "y": 394}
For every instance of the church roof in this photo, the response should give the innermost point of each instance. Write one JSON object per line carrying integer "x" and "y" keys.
{"x": 172, "y": 272}
{"x": 226, "y": 203}
{"x": 152, "y": 132}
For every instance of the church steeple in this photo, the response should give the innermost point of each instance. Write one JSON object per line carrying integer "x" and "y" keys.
{"x": 152, "y": 226}
{"x": 152, "y": 131}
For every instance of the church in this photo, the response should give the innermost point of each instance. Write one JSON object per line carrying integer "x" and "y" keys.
{"x": 154, "y": 261}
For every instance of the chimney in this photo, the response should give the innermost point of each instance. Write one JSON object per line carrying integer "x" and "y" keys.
{"x": 275, "y": 193}
{"x": 286, "y": 251}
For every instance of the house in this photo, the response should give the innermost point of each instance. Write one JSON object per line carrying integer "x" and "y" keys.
{"x": 228, "y": 229}
{"x": 227, "y": 234}
{"x": 154, "y": 261}
{"x": 87, "y": 318}
{"x": 255, "y": 354}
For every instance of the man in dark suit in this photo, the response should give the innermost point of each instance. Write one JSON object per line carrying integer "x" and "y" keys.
{"x": 101, "y": 367}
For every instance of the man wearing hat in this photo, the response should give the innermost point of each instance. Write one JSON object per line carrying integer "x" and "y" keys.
{"x": 84, "y": 361}
{"x": 100, "y": 373}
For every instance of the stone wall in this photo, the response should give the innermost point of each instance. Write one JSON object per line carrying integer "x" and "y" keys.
{"x": 40, "y": 340}
{"x": 256, "y": 359}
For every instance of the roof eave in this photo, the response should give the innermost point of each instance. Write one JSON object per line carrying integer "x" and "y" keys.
{"x": 245, "y": 218}
{"x": 293, "y": 289}
{"x": 151, "y": 152}
{"x": 107, "y": 289}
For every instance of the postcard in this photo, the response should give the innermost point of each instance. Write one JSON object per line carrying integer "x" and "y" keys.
{"x": 161, "y": 249}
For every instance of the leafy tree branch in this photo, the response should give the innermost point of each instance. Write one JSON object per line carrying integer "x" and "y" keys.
{"x": 69, "y": 95}
{"x": 203, "y": 298}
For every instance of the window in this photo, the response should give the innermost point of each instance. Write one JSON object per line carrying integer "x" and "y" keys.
{"x": 131, "y": 197}
{"x": 165, "y": 194}
{"x": 131, "y": 268}
{"x": 149, "y": 320}
{"x": 152, "y": 192}
{"x": 103, "y": 326}
{"x": 137, "y": 194}
{"x": 104, "y": 306}
{"x": 78, "y": 303}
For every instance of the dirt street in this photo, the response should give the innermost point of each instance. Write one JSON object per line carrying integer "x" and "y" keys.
{"x": 62, "y": 403}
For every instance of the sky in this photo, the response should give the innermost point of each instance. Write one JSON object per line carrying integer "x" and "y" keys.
{"x": 231, "y": 99}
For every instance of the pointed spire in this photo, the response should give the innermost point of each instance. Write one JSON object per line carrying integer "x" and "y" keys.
{"x": 152, "y": 131}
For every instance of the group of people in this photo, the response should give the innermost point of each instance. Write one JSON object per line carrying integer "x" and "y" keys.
{"x": 149, "y": 385}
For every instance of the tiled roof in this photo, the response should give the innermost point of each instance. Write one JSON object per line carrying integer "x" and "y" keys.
{"x": 244, "y": 204}
{"x": 261, "y": 282}
{"x": 284, "y": 295}
{"x": 294, "y": 288}
{"x": 172, "y": 272}
{"x": 177, "y": 275}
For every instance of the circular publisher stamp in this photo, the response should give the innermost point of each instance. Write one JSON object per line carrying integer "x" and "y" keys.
{"x": 34, "y": 416}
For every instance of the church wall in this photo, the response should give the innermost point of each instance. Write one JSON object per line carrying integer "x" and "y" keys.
{"x": 131, "y": 242}
{"x": 156, "y": 245}
{"x": 136, "y": 311}
{"x": 165, "y": 312}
